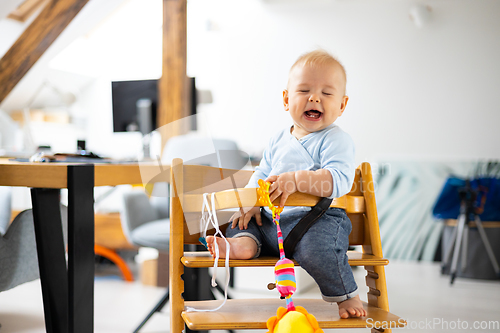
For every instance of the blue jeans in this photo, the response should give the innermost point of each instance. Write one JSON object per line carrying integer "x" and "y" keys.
{"x": 322, "y": 252}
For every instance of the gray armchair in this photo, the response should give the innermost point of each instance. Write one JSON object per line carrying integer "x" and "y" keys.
{"x": 18, "y": 258}
{"x": 18, "y": 253}
{"x": 145, "y": 220}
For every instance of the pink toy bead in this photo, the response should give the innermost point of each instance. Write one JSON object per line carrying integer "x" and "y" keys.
{"x": 285, "y": 277}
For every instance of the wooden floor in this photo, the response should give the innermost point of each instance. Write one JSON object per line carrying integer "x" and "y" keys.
{"x": 417, "y": 293}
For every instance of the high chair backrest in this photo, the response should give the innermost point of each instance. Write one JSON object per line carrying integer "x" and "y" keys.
{"x": 191, "y": 181}
{"x": 197, "y": 180}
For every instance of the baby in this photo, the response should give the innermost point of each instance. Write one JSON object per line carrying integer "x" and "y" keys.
{"x": 312, "y": 156}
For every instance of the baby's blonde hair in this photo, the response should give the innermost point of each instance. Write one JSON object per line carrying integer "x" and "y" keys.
{"x": 318, "y": 58}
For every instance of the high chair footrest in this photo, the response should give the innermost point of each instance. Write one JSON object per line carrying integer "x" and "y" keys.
{"x": 204, "y": 259}
{"x": 254, "y": 313}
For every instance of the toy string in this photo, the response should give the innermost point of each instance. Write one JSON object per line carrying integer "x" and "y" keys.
{"x": 209, "y": 216}
{"x": 264, "y": 199}
{"x": 276, "y": 220}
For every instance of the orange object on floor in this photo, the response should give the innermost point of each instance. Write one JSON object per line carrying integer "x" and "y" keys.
{"x": 116, "y": 259}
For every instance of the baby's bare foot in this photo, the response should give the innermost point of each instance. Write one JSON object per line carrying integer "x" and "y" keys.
{"x": 240, "y": 247}
{"x": 351, "y": 307}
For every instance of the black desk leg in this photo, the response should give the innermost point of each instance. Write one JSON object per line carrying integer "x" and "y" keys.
{"x": 81, "y": 248}
{"x": 51, "y": 258}
{"x": 68, "y": 292}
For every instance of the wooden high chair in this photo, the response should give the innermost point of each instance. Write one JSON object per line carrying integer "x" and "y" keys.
{"x": 189, "y": 182}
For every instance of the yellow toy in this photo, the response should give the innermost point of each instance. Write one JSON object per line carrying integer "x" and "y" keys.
{"x": 289, "y": 319}
{"x": 293, "y": 321}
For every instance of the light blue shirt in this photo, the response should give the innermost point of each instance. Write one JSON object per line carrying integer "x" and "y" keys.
{"x": 331, "y": 149}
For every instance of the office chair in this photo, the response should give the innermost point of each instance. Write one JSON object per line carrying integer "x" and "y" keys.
{"x": 145, "y": 220}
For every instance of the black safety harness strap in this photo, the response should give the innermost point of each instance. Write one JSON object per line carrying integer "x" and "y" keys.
{"x": 304, "y": 224}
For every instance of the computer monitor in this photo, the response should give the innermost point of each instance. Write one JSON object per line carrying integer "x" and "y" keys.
{"x": 135, "y": 105}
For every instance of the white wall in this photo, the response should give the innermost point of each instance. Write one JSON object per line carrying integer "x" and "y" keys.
{"x": 61, "y": 138}
{"x": 127, "y": 45}
{"x": 414, "y": 93}
{"x": 418, "y": 93}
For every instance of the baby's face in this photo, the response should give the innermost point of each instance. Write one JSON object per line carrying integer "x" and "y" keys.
{"x": 315, "y": 97}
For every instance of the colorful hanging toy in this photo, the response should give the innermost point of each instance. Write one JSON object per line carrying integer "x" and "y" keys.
{"x": 291, "y": 319}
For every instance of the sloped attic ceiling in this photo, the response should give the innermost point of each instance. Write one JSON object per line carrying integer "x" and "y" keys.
{"x": 88, "y": 18}
{"x": 8, "y": 6}
{"x": 26, "y": 10}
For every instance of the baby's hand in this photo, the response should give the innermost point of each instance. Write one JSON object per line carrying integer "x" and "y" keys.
{"x": 283, "y": 185}
{"x": 243, "y": 217}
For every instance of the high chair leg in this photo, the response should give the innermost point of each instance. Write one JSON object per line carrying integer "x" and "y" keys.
{"x": 377, "y": 293}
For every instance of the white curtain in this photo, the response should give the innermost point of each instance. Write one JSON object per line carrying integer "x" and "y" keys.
{"x": 406, "y": 192}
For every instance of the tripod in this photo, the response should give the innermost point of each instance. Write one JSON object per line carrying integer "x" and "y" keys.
{"x": 468, "y": 213}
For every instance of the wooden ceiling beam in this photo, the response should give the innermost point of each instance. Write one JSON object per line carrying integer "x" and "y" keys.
{"x": 173, "y": 92}
{"x": 35, "y": 40}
